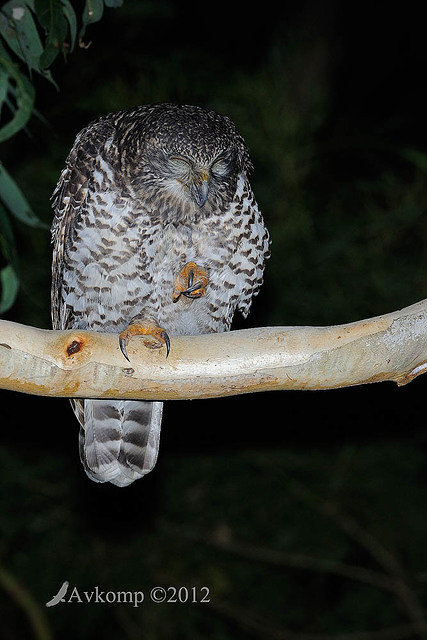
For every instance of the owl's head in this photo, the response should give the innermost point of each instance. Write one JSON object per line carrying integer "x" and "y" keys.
{"x": 182, "y": 155}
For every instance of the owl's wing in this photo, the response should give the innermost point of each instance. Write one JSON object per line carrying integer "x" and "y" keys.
{"x": 69, "y": 202}
{"x": 119, "y": 440}
{"x": 254, "y": 250}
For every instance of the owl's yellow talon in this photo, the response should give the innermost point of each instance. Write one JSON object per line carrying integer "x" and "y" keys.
{"x": 154, "y": 336}
{"x": 191, "y": 282}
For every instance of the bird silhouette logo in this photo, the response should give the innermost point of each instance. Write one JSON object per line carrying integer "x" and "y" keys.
{"x": 59, "y": 597}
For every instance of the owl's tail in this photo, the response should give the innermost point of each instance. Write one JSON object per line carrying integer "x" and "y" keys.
{"x": 119, "y": 439}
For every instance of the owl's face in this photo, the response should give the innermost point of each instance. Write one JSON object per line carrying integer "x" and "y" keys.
{"x": 187, "y": 161}
{"x": 196, "y": 180}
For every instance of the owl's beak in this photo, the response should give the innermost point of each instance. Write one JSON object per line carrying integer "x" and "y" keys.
{"x": 200, "y": 188}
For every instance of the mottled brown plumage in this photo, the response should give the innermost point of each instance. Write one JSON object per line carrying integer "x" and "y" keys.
{"x": 155, "y": 227}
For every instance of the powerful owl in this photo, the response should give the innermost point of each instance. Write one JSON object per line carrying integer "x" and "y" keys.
{"x": 156, "y": 233}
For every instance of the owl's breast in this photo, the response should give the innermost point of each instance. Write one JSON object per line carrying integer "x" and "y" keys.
{"x": 209, "y": 247}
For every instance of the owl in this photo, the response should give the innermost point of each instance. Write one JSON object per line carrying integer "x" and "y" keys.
{"x": 156, "y": 233}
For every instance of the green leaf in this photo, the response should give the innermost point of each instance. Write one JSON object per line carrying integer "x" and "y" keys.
{"x": 7, "y": 241}
{"x": 51, "y": 17}
{"x": 18, "y": 28}
{"x": 3, "y": 53}
{"x": 113, "y": 3}
{"x": 44, "y": 9}
{"x": 92, "y": 12}
{"x": 15, "y": 200}
{"x": 54, "y": 41}
{"x": 70, "y": 16}
{"x": 23, "y": 93}
{"x": 4, "y": 85}
{"x": 9, "y": 288}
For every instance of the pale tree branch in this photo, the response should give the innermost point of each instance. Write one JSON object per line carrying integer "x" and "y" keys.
{"x": 90, "y": 365}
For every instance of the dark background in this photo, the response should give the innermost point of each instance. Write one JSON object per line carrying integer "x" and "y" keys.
{"x": 305, "y": 513}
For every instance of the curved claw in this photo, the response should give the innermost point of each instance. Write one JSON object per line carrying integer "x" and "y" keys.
{"x": 165, "y": 337}
{"x": 123, "y": 343}
{"x": 185, "y": 284}
{"x": 153, "y": 335}
{"x": 190, "y": 277}
{"x": 189, "y": 292}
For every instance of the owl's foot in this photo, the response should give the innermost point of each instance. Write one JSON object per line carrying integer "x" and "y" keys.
{"x": 154, "y": 336}
{"x": 190, "y": 282}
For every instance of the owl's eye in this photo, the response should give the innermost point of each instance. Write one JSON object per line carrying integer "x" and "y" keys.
{"x": 179, "y": 165}
{"x": 220, "y": 167}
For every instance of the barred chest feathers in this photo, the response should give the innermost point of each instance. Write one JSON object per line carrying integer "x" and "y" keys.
{"x": 127, "y": 262}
